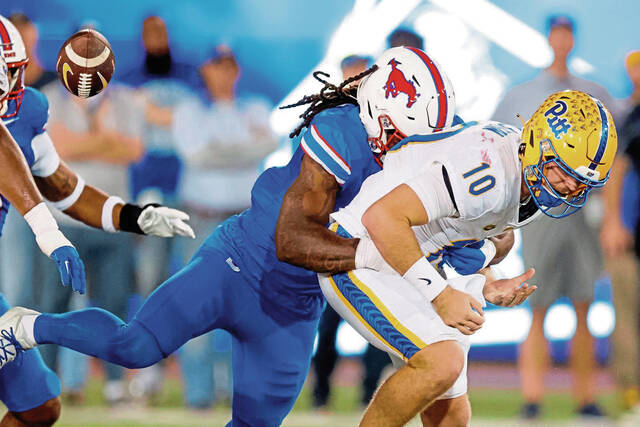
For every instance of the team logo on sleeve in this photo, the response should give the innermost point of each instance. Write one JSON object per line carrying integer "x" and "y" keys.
{"x": 559, "y": 125}
{"x": 397, "y": 84}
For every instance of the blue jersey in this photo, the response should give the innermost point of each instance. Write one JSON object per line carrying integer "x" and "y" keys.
{"x": 28, "y": 129}
{"x": 337, "y": 140}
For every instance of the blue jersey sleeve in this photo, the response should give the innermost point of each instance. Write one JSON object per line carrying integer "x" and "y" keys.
{"x": 326, "y": 142}
{"x": 35, "y": 109}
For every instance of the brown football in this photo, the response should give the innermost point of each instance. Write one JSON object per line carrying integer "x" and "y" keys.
{"x": 85, "y": 63}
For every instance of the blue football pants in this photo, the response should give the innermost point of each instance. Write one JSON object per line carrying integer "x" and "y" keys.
{"x": 270, "y": 360}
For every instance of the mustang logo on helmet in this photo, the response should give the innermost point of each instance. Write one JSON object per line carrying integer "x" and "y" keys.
{"x": 397, "y": 84}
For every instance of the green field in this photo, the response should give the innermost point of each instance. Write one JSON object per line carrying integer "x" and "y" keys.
{"x": 490, "y": 407}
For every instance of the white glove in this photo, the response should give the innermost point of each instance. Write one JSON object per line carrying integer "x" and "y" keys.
{"x": 164, "y": 222}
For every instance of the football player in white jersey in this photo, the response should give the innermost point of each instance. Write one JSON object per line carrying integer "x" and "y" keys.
{"x": 448, "y": 190}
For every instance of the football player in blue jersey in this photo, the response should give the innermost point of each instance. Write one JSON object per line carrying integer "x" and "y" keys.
{"x": 253, "y": 275}
{"x": 31, "y": 167}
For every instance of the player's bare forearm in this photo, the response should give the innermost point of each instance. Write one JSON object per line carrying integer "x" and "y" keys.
{"x": 17, "y": 185}
{"x": 389, "y": 221}
{"x": 301, "y": 236}
{"x": 317, "y": 248}
{"x": 87, "y": 208}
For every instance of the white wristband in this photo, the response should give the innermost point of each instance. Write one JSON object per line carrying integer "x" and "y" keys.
{"x": 68, "y": 201}
{"x": 107, "y": 213}
{"x": 425, "y": 279}
{"x": 489, "y": 251}
{"x": 45, "y": 228}
{"x": 40, "y": 219}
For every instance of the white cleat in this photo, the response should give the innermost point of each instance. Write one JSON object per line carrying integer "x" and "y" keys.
{"x": 13, "y": 336}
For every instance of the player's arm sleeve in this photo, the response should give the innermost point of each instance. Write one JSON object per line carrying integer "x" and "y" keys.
{"x": 46, "y": 159}
{"x": 434, "y": 190}
{"x": 325, "y": 143}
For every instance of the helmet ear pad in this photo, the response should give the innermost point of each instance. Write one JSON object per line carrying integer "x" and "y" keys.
{"x": 407, "y": 94}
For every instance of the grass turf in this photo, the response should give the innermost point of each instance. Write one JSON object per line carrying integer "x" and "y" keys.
{"x": 490, "y": 407}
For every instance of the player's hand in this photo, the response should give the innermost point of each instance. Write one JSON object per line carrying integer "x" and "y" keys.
{"x": 509, "y": 292}
{"x": 471, "y": 258}
{"x": 71, "y": 268}
{"x": 456, "y": 309}
{"x": 615, "y": 238}
{"x": 164, "y": 222}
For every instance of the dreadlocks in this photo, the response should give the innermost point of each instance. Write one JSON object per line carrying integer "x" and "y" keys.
{"x": 329, "y": 96}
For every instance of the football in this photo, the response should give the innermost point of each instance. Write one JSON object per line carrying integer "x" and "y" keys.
{"x": 85, "y": 63}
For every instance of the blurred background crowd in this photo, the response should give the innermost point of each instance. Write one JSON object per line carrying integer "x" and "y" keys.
{"x": 194, "y": 78}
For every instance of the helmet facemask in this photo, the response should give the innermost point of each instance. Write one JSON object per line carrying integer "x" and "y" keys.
{"x": 542, "y": 192}
{"x": 387, "y": 138}
{"x": 16, "y": 90}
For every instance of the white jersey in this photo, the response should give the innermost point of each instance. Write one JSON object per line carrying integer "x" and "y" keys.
{"x": 482, "y": 200}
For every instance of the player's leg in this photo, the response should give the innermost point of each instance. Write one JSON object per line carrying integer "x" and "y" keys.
{"x": 29, "y": 389}
{"x": 191, "y": 302}
{"x": 394, "y": 317}
{"x": 374, "y": 360}
{"x": 270, "y": 365}
{"x": 427, "y": 375}
{"x": 454, "y": 412}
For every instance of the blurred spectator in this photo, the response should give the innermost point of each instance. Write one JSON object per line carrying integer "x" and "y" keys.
{"x": 35, "y": 75}
{"x": 98, "y": 137}
{"x": 619, "y": 227}
{"x": 574, "y": 244}
{"x": 158, "y": 62}
{"x": 326, "y": 356}
{"x": 405, "y": 37}
{"x": 154, "y": 178}
{"x": 221, "y": 140}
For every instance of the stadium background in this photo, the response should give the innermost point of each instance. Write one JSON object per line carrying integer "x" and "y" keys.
{"x": 486, "y": 47}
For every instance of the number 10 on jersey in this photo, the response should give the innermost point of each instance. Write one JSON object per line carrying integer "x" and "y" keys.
{"x": 480, "y": 185}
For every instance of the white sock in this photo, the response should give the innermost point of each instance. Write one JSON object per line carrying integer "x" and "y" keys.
{"x": 27, "y": 324}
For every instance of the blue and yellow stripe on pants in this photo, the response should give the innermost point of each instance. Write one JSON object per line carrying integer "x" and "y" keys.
{"x": 372, "y": 312}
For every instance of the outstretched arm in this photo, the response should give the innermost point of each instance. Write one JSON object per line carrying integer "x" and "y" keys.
{"x": 17, "y": 186}
{"x": 301, "y": 235}
{"x": 92, "y": 206}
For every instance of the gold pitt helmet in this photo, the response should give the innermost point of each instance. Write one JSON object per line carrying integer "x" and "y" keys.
{"x": 575, "y": 131}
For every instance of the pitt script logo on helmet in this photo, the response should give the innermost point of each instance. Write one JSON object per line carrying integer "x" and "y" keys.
{"x": 576, "y": 132}
{"x": 408, "y": 94}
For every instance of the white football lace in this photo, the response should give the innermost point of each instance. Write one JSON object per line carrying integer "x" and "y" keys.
{"x": 84, "y": 85}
